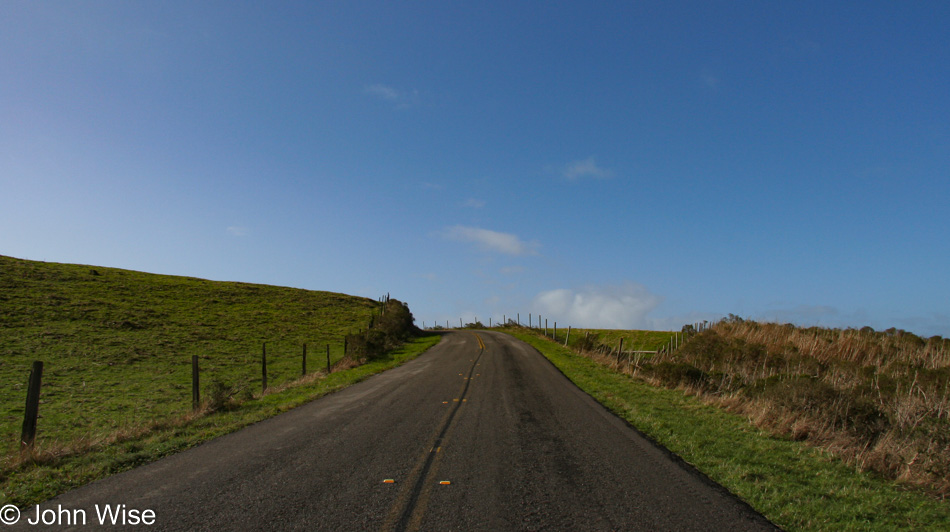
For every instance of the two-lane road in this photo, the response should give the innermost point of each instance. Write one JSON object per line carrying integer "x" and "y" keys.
{"x": 479, "y": 433}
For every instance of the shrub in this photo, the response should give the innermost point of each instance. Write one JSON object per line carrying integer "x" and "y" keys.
{"x": 392, "y": 327}
{"x": 396, "y": 321}
{"x": 588, "y": 342}
{"x": 220, "y": 396}
{"x": 676, "y": 374}
{"x": 839, "y": 408}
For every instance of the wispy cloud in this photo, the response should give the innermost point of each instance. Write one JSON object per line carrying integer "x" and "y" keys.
{"x": 235, "y": 230}
{"x": 494, "y": 241}
{"x": 474, "y": 203}
{"x": 610, "y": 307}
{"x": 402, "y": 99}
{"x": 586, "y": 168}
{"x": 382, "y": 92}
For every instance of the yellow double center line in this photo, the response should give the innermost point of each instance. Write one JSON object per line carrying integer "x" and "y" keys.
{"x": 410, "y": 506}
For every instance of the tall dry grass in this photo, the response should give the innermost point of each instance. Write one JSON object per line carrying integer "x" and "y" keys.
{"x": 878, "y": 400}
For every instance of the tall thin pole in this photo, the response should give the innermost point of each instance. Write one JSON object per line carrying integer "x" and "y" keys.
{"x": 264, "y": 366}
{"x": 195, "y": 394}
{"x": 28, "y": 435}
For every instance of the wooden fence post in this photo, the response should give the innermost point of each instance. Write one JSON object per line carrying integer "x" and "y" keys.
{"x": 195, "y": 393}
{"x": 529, "y": 320}
{"x": 304, "y": 370}
{"x": 328, "y": 359}
{"x": 554, "y": 336}
{"x": 344, "y": 346}
{"x": 264, "y": 367}
{"x": 568, "y": 335}
{"x": 619, "y": 350}
{"x": 28, "y": 435}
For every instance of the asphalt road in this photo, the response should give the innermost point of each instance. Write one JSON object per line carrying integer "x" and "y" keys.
{"x": 479, "y": 433}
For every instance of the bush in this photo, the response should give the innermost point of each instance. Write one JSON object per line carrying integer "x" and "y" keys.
{"x": 676, "y": 374}
{"x": 396, "y": 321}
{"x": 843, "y": 410}
{"x": 588, "y": 342}
{"x": 391, "y": 328}
{"x": 220, "y": 396}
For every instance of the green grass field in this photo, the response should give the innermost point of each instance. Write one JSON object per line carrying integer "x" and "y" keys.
{"x": 792, "y": 484}
{"x": 632, "y": 340}
{"x": 117, "y": 344}
{"x": 117, "y": 347}
{"x": 36, "y": 481}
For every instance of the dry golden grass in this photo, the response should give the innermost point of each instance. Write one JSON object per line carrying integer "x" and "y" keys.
{"x": 878, "y": 400}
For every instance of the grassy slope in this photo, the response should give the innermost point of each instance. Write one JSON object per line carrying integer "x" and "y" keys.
{"x": 117, "y": 346}
{"x": 794, "y": 485}
{"x": 37, "y": 482}
{"x": 117, "y": 349}
{"x": 632, "y": 340}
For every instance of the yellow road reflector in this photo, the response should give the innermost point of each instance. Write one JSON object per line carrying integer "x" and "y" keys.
{"x": 455, "y": 400}
{"x": 444, "y": 482}
{"x": 445, "y": 402}
{"x": 389, "y": 481}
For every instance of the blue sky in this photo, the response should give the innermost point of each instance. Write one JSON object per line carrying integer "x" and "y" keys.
{"x": 621, "y": 164}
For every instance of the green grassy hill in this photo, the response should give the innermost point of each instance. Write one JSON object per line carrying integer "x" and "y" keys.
{"x": 117, "y": 344}
{"x": 633, "y": 340}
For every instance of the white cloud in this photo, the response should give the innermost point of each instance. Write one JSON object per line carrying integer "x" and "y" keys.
{"x": 402, "y": 99}
{"x": 382, "y": 91}
{"x": 608, "y": 307}
{"x": 586, "y": 168}
{"x": 237, "y": 231}
{"x": 487, "y": 240}
{"x": 510, "y": 270}
{"x": 474, "y": 203}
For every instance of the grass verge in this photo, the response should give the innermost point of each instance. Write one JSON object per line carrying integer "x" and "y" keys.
{"x": 54, "y": 471}
{"x": 795, "y": 486}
